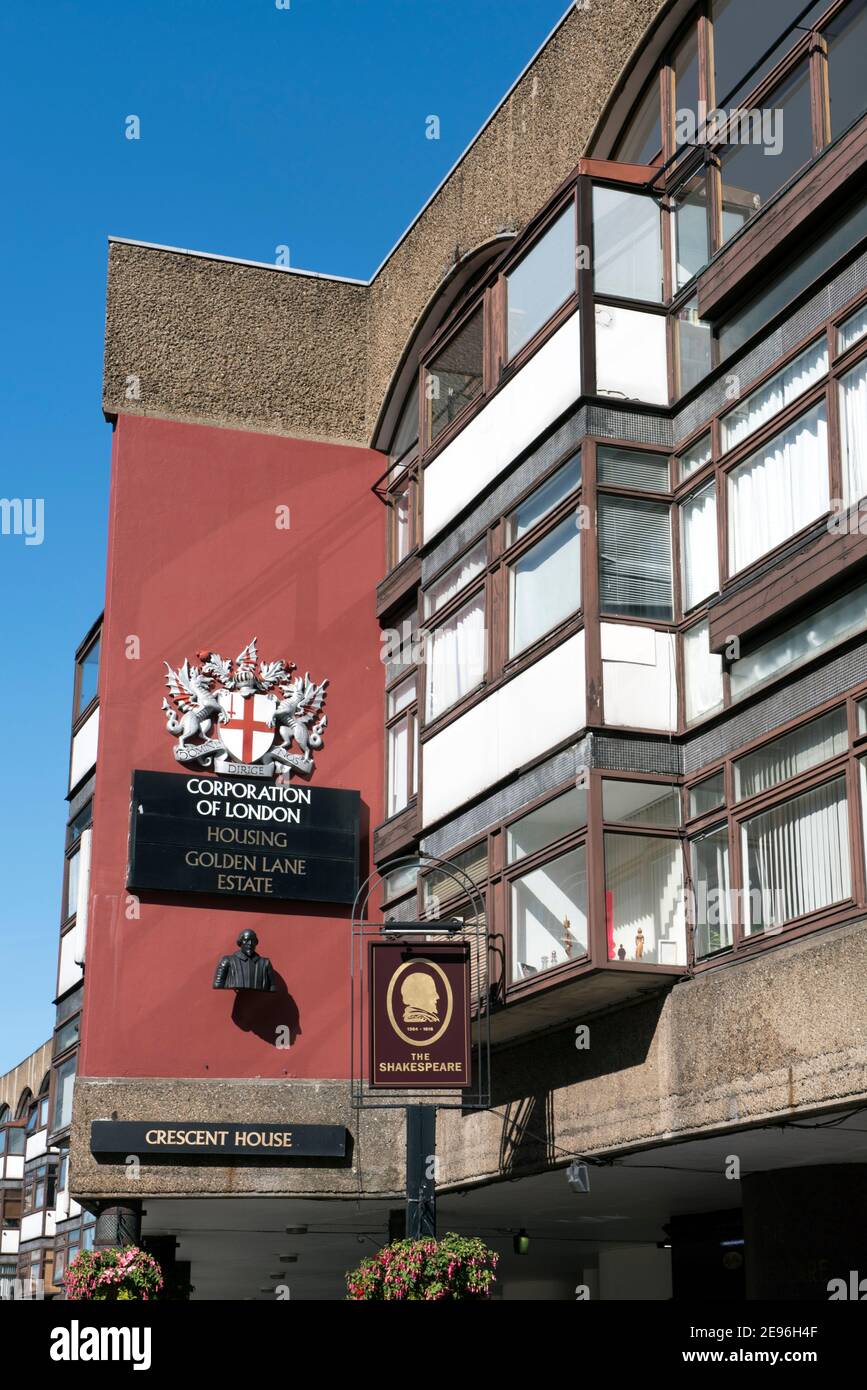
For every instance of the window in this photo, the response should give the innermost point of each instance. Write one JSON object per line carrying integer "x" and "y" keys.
{"x": 862, "y": 717}
{"x": 10, "y": 1209}
{"x": 544, "y": 585}
{"x": 640, "y": 803}
{"x": 402, "y": 746}
{"x": 847, "y": 38}
{"x": 791, "y": 754}
{"x": 67, "y": 1035}
{"x": 544, "y": 499}
{"x": 779, "y": 489}
{"x": 796, "y": 858}
{"x": 87, "y": 679}
{"x": 456, "y": 661}
{"x": 711, "y": 892}
{"x": 634, "y": 558}
{"x": 402, "y": 519}
{"x": 627, "y": 254}
{"x": 400, "y": 881}
{"x": 694, "y": 347}
{"x": 549, "y": 915}
{"x": 74, "y": 832}
{"x": 644, "y": 899}
{"x": 853, "y": 432}
{"x": 852, "y": 329}
{"x": 689, "y": 242}
{"x": 734, "y": 20}
{"x": 783, "y": 387}
{"x": 762, "y": 161}
{"x": 702, "y": 673}
{"x": 642, "y": 138}
{"x": 64, "y": 1079}
{"x": 699, "y": 549}
{"x": 445, "y": 885}
{"x": 454, "y": 377}
{"x": 706, "y": 796}
{"x": 800, "y": 642}
{"x": 695, "y": 457}
{"x": 547, "y": 824}
{"x": 406, "y": 435}
{"x": 541, "y": 282}
{"x": 685, "y": 66}
{"x": 632, "y": 468}
{"x": 442, "y": 590}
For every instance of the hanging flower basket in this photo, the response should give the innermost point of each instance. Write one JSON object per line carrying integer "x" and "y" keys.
{"x": 456, "y": 1267}
{"x": 113, "y": 1275}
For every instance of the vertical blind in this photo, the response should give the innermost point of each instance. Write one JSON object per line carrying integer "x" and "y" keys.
{"x": 700, "y": 547}
{"x": 853, "y": 433}
{"x": 779, "y": 489}
{"x": 796, "y": 857}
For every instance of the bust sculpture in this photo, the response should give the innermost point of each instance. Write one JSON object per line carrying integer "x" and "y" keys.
{"x": 245, "y": 969}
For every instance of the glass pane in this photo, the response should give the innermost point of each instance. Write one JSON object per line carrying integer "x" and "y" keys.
{"x": 456, "y": 657}
{"x": 796, "y": 858}
{"x": 632, "y": 468}
{"x": 779, "y": 489}
{"x": 547, "y": 824}
{"x": 627, "y": 244}
{"x": 806, "y": 639}
{"x": 89, "y": 678}
{"x": 690, "y": 244}
{"x": 400, "y": 647}
{"x": 438, "y": 594}
{"x": 862, "y": 716}
{"x": 702, "y": 672}
{"x": 82, "y": 822}
{"x": 779, "y": 391}
{"x": 549, "y": 915}
{"x": 67, "y": 1035}
{"x": 543, "y": 280}
{"x": 17, "y": 1140}
{"x": 642, "y": 138}
{"x": 634, "y": 558}
{"x": 694, "y": 347}
{"x": 545, "y": 585}
{"x": 406, "y": 434}
{"x": 544, "y": 499}
{"x": 757, "y": 160}
{"x": 791, "y": 754}
{"x": 707, "y": 795}
{"x": 401, "y": 880}
{"x": 398, "y": 765}
{"x": 454, "y": 378}
{"x": 401, "y": 526}
{"x": 852, "y": 329}
{"x": 401, "y": 696}
{"x": 70, "y": 1003}
{"x": 853, "y": 433}
{"x": 711, "y": 892}
{"x": 695, "y": 457}
{"x": 640, "y": 803}
{"x": 685, "y": 65}
{"x": 700, "y": 546}
{"x": 443, "y": 885}
{"x": 72, "y": 878}
{"x": 64, "y": 1078}
{"x": 644, "y": 900}
{"x": 827, "y": 248}
{"x": 847, "y": 44}
{"x": 743, "y": 31}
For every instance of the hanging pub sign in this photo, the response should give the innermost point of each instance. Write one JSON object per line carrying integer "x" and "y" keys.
{"x": 201, "y": 833}
{"x": 419, "y": 1015}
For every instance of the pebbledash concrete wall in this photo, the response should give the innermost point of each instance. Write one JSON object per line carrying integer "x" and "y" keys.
{"x": 789, "y": 1037}
{"x": 211, "y": 341}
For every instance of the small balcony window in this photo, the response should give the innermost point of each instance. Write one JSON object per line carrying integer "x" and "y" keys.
{"x": 455, "y": 377}
{"x": 541, "y": 282}
{"x": 627, "y": 245}
{"x": 545, "y": 585}
{"x": 644, "y": 899}
{"x": 796, "y": 858}
{"x": 549, "y": 915}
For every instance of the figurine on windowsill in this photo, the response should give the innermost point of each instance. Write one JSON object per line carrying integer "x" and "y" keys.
{"x": 621, "y": 953}
{"x": 639, "y": 944}
{"x": 569, "y": 941}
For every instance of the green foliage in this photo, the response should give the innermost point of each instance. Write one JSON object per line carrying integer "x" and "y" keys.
{"x": 115, "y": 1275}
{"x": 456, "y": 1267}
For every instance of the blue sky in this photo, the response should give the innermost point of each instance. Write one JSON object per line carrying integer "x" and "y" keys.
{"x": 260, "y": 127}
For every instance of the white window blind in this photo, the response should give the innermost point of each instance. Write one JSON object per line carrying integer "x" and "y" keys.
{"x": 779, "y": 489}
{"x": 634, "y": 558}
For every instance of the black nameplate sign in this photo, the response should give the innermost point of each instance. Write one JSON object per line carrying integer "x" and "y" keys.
{"x": 226, "y": 1138}
{"x": 208, "y": 833}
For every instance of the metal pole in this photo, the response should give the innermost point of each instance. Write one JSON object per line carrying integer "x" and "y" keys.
{"x": 421, "y": 1209}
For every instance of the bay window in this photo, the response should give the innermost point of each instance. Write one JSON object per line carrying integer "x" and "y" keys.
{"x": 802, "y": 641}
{"x": 641, "y": 803}
{"x": 796, "y": 858}
{"x": 543, "y": 500}
{"x": 454, "y": 377}
{"x": 64, "y": 1080}
{"x": 547, "y": 824}
{"x": 711, "y": 895}
{"x": 402, "y": 746}
{"x": 707, "y": 795}
{"x": 780, "y": 390}
{"x": 702, "y": 674}
{"x": 779, "y": 489}
{"x": 456, "y": 657}
{"x": 627, "y": 244}
{"x": 455, "y": 578}
{"x": 549, "y": 914}
{"x": 694, "y": 458}
{"x": 791, "y": 754}
{"x": 689, "y": 242}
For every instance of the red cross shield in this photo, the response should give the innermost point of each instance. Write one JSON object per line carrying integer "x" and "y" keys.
{"x": 246, "y": 735}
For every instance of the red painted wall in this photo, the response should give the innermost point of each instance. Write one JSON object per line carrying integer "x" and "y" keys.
{"x": 195, "y": 561}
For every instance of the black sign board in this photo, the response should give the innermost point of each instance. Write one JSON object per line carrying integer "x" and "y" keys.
{"x": 208, "y": 833}
{"x": 197, "y": 1139}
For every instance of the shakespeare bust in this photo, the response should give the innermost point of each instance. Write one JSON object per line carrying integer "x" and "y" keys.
{"x": 245, "y": 969}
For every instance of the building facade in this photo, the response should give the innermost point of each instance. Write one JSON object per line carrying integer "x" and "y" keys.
{"x": 565, "y": 504}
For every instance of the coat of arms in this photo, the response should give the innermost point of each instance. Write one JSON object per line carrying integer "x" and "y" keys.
{"x": 245, "y": 715}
